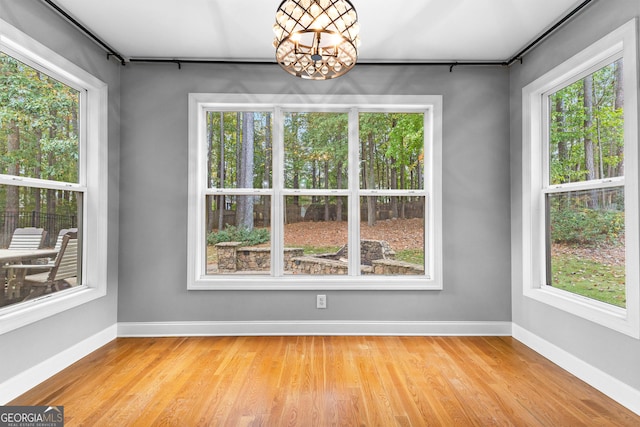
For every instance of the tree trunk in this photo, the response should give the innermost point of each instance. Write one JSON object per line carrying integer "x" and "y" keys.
{"x": 371, "y": 200}
{"x": 245, "y": 203}
{"x": 327, "y": 213}
{"x": 314, "y": 179}
{"x": 619, "y": 105}
{"x": 420, "y": 171}
{"x": 394, "y": 186}
{"x": 266, "y": 209}
{"x": 37, "y": 194}
{"x": 210, "y": 212}
{"x": 221, "y": 175}
{"x": 562, "y": 143}
{"x": 403, "y": 200}
{"x": 339, "y": 199}
{"x": 12, "y": 192}
{"x": 52, "y": 195}
{"x": 588, "y": 142}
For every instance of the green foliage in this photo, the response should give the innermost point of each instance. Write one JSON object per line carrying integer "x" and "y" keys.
{"x": 575, "y": 121}
{"x": 232, "y": 233}
{"x": 413, "y": 256}
{"x": 39, "y": 122}
{"x": 316, "y": 149}
{"x": 587, "y": 226}
{"x": 225, "y": 145}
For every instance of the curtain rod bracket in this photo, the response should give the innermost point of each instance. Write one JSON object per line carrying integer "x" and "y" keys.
{"x": 118, "y": 57}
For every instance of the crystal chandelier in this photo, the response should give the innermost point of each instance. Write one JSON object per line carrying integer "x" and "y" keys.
{"x": 316, "y": 39}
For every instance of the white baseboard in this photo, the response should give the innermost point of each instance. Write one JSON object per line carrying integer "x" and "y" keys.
{"x": 612, "y": 387}
{"x": 155, "y": 329}
{"x": 30, "y": 378}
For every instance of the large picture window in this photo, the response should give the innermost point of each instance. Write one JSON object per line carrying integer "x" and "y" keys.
{"x": 290, "y": 194}
{"x": 580, "y": 184}
{"x": 52, "y": 182}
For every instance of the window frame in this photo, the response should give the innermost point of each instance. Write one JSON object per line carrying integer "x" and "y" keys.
{"x": 92, "y": 179}
{"x": 621, "y": 43}
{"x": 201, "y": 103}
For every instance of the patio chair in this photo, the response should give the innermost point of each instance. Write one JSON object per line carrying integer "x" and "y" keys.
{"x": 65, "y": 267}
{"x": 51, "y": 261}
{"x": 27, "y": 238}
{"x": 15, "y": 272}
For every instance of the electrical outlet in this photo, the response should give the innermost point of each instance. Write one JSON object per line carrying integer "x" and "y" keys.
{"x": 321, "y": 301}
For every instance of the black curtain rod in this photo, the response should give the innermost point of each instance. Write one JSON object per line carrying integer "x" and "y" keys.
{"x": 179, "y": 62}
{"x": 451, "y": 64}
{"x": 518, "y": 56}
{"x": 110, "y": 51}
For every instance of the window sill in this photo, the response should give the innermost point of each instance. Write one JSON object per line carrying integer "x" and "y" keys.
{"x": 607, "y": 315}
{"x": 314, "y": 283}
{"x": 14, "y": 317}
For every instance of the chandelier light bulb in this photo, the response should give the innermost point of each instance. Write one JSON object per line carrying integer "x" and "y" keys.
{"x": 316, "y": 39}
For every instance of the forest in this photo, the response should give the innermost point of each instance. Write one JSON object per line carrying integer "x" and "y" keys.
{"x": 316, "y": 150}
{"x": 586, "y": 146}
{"x": 312, "y": 174}
{"x": 39, "y": 128}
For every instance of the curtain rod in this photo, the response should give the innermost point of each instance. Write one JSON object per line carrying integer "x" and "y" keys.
{"x": 451, "y": 64}
{"x": 86, "y": 31}
{"x": 518, "y": 56}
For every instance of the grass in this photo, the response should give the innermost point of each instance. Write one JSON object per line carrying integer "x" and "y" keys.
{"x": 413, "y": 256}
{"x": 590, "y": 278}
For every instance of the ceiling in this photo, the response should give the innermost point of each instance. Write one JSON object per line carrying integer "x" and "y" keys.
{"x": 391, "y": 31}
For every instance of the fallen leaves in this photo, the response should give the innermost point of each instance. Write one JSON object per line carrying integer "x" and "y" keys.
{"x": 401, "y": 234}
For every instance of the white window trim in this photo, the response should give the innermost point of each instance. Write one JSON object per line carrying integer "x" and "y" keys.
{"x": 620, "y": 42}
{"x": 93, "y": 180}
{"x": 199, "y": 103}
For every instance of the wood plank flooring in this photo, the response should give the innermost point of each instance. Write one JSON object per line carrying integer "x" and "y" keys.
{"x": 323, "y": 381}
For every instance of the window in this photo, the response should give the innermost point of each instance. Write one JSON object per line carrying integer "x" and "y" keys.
{"x": 282, "y": 189}
{"x": 580, "y": 201}
{"x": 52, "y": 178}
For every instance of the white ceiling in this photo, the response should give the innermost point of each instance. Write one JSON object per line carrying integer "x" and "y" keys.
{"x": 391, "y": 30}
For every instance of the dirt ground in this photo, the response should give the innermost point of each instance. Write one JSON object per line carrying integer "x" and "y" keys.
{"x": 400, "y": 234}
{"x": 608, "y": 255}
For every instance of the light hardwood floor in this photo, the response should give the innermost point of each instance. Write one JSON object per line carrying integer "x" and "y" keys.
{"x": 323, "y": 381}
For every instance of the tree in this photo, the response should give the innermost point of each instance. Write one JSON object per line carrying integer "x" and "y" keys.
{"x": 244, "y": 210}
{"x": 588, "y": 141}
{"x": 39, "y": 130}
{"x": 618, "y": 105}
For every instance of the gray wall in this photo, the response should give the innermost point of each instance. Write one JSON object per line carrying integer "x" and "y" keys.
{"x": 481, "y": 198}
{"x": 26, "y": 347}
{"x": 153, "y": 197}
{"x": 609, "y": 351}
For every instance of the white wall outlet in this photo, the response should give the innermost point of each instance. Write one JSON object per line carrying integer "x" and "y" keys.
{"x": 321, "y": 301}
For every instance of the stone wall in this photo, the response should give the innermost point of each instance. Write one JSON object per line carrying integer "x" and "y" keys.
{"x": 391, "y": 267}
{"x": 227, "y": 256}
{"x": 376, "y": 258}
{"x": 316, "y": 266}
{"x": 253, "y": 259}
{"x": 370, "y": 250}
{"x": 233, "y": 257}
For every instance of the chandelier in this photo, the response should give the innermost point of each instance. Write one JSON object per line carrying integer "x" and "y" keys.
{"x": 316, "y": 39}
